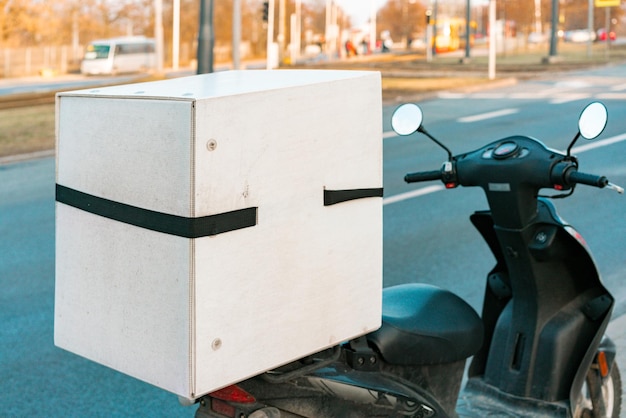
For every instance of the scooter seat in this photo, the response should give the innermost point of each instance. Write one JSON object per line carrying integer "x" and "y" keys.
{"x": 423, "y": 324}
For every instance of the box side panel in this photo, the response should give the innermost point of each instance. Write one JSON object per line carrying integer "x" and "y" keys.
{"x": 307, "y": 276}
{"x": 122, "y": 292}
{"x": 133, "y": 151}
{"x": 263, "y": 143}
{"x": 122, "y": 298}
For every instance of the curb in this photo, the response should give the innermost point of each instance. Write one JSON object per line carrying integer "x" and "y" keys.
{"x": 18, "y": 158}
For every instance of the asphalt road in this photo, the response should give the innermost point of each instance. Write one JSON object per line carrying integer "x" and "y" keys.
{"x": 427, "y": 236}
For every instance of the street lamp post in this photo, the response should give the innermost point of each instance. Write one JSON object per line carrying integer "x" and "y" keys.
{"x": 492, "y": 40}
{"x": 176, "y": 34}
{"x": 236, "y": 43}
{"x": 435, "y": 23}
{"x": 468, "y": 16}
{"x": 205, "y": 38}
{"x": 553, "y": 31}
{"x": 158, "y": 33}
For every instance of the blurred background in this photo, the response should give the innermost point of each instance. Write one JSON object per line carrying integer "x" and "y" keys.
{"x": 52, "y": 37}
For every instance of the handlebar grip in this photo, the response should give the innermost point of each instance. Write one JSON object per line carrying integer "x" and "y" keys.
{"x": 588, "y": 179}
{"x": 423, "y": 176}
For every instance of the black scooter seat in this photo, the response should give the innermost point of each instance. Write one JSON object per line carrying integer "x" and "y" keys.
{"x": 423, "y": 324}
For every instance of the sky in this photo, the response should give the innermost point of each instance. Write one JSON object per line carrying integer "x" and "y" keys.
{"x": 359, "y": 10}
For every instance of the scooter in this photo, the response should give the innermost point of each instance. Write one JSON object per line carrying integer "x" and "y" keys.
{"x": 539, "y": 347}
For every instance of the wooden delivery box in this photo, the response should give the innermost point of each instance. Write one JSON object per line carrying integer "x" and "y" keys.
{"x": 213, "y": 227}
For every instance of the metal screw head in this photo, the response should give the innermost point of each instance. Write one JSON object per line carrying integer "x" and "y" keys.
{"x": 211, "y": 145}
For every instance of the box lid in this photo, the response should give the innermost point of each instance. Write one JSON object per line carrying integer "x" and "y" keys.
{"x": 221, "y": 84}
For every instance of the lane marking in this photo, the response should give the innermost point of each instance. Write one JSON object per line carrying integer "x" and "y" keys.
{"x": 569, "y": 85}
{"x": 530, "y": 95}
{"x": 413, "y": 193}
{"x": 488, "y": 115}
{"x": 598, "y": 144}
{"x": 611, "y": 96}
{"x": 488, "y": 95}
{"x": 439, "y": 187}
{"x": 451, "y": 95}
{"x": 570, "y": 97}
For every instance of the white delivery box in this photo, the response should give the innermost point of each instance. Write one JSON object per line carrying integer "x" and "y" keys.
{"x": 213, "y": 227}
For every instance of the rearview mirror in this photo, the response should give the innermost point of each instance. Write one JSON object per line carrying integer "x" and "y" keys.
{"x": 406, "y": 119}
{"x": 592, "y": 120}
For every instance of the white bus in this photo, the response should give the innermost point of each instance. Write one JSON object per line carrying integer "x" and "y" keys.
{"x": 119, "y": 55}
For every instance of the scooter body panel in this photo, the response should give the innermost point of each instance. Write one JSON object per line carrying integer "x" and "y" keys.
{"x": 541, "y": 334}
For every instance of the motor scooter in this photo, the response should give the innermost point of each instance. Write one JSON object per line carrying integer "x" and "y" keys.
{"x": 539, "y": 347}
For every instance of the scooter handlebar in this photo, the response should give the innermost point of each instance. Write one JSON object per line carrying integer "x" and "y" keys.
{"x": 592, "y": 180}
{"x": 423, "y": 176}
{"x": 573, "y": 177}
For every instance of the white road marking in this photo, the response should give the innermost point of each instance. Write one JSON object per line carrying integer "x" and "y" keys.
{"x": 569, "y": 97}
{"x": 413, "y": 193}
{"x": 611, "y": 96}
{"x": 598, "y": 144}
{"x": 488, "y": 115}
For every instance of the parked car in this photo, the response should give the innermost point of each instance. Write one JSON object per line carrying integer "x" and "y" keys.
{"x": 537, "y": 38}
{"x": 602, "y": 35}
{"x": 579, "y": 35}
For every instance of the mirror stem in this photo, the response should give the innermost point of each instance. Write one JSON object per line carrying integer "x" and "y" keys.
{"x": 569, "y": 149}
{"x": 422, "y": 130}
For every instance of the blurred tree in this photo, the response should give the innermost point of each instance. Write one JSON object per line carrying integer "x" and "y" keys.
{"x": 17, "y": 23}
{"x": 404, "y": 19}
{"x": 25, "y": 23}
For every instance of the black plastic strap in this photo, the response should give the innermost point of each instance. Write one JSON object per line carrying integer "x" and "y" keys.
{"x": 158, "y": 221}
{"x": 332, "y": 197}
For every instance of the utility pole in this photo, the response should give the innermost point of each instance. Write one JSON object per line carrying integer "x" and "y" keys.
{"x": 158, "y": 33}
{"x": 435, "y": 24}
{"x": 271, "y": 50}
{"x": 205, "y": 38}
{"x": 296, "y": 33}
{"x": 175, "y": 34}
{"x": 282, "y": 12}
{"x": 372, "y": 28}
{"x": 492, "y": 40}
{"x": 590, "y": 26}
{"x": 236, "y": 34}
{"x": 468, "y": 28}
{"x": 553, "y": 30}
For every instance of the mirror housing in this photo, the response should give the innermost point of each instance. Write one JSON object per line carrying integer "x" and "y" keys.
{"x": 592, "y": 120}
{"x": 407, "y": 119}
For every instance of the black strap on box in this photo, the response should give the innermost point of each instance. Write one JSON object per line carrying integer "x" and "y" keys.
{"x": 332, "y": 197}
{"x": 158, "y": 221}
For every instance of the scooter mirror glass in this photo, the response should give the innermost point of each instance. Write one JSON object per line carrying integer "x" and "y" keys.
{"x": 592, "y": 120}
{"x": 406, "y": 119}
